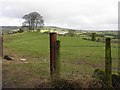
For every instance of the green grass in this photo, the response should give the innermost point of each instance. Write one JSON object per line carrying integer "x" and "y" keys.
{"x": 78, "y": 56}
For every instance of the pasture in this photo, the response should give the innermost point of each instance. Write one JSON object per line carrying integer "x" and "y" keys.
{"x": 78, "y": 57}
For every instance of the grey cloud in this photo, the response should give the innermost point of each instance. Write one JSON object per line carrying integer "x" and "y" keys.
{"x": 67, "y": 13}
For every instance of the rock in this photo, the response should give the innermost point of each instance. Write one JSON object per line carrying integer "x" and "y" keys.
{"x": 7, "y": 57}
{"x": 116, "y": 81}
{"x": 100, "y": 74}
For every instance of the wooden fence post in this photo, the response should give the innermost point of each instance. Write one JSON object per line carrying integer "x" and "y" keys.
{"x": 119, "y": 38}
{"x": 58, "y": 59}
{"x": 119, "y": 51}
{"x": 52, "y": 54}
{"x": 1, "y": 46}
{"x": 108, "y": 63}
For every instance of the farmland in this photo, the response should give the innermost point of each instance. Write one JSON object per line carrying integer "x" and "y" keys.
{"x": 78, "y": 57}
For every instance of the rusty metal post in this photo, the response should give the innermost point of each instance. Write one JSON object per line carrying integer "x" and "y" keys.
{"x": 52, "y": 54}
{"x": 108, "y": 63}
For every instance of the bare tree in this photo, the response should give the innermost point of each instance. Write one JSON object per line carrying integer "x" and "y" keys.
{"x": 33, "y": 20}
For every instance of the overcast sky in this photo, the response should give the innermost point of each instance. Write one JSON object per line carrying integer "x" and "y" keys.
{"x": 78, "y": 14}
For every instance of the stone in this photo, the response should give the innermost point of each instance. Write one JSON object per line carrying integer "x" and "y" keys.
{"x": 7, "y": 57}
{"x": 100, "y": 74}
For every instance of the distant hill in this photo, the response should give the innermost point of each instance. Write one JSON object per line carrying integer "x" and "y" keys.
{"x": 6, "y": 29}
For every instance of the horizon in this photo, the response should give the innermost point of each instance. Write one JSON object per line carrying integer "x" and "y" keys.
{"x": 71, "y": 28}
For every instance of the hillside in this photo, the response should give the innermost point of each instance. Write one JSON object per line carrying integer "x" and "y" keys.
{"x": 78, "y": 57}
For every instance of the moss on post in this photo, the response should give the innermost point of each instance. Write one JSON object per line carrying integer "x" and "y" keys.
{"x": 58, "y": 58}
{"x": 1, "y": 46}
{"x": 119, "y": 53}
{"x": 108, "y": 63}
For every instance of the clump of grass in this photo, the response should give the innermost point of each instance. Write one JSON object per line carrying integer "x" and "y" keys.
{"x": 64, "y": 83}
{"x": 79, "y": 82}
{"x": 96, "y": 83}
{"x": 61, "y": 84}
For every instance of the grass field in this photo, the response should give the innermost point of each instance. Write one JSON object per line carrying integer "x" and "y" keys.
{"x": 78, "y": 57}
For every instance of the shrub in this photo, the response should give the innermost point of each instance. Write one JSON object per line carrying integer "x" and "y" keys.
{"x": 93, "y": 36}
{"x": 20, "y": 31}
